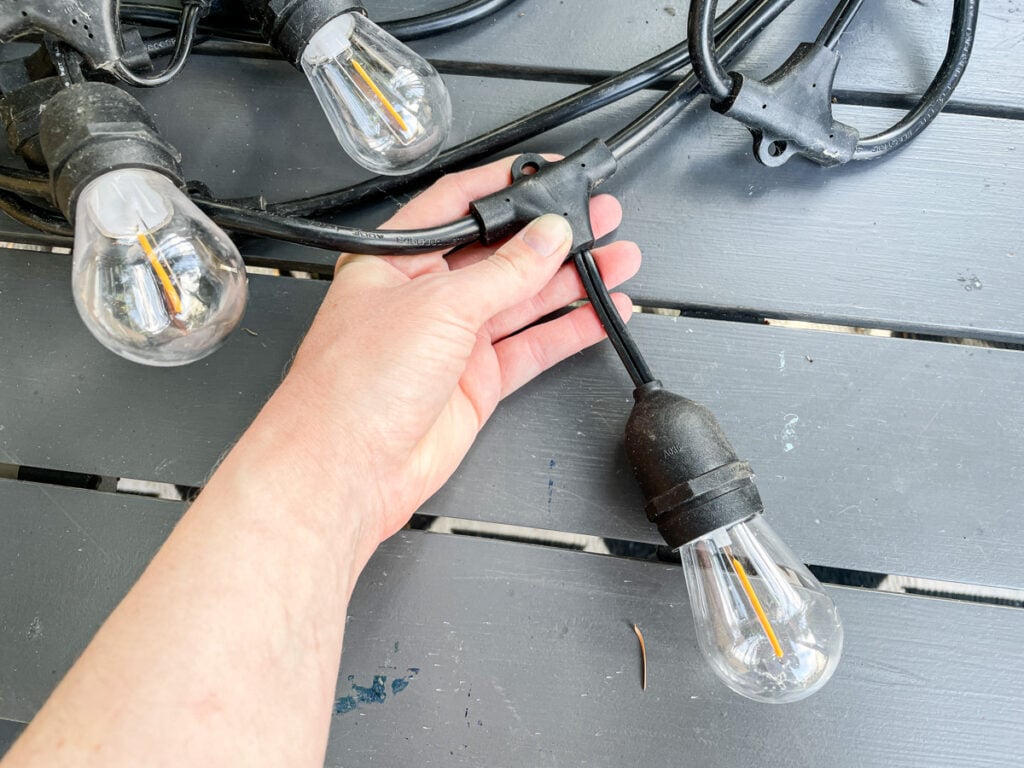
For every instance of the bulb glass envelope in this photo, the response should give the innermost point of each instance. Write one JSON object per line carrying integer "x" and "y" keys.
{"x": 154, "y": 280}
{"x": 764, "y": 622}
{"x": 388, "y": 106}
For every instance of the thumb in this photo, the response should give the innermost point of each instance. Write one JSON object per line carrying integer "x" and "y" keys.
{"x": 514, "y": 272}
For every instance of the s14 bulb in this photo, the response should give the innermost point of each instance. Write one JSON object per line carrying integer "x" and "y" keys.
{"x": 764, "y": 623}
{"x": 388, "y": 106}
{"x": 154, "y": 279}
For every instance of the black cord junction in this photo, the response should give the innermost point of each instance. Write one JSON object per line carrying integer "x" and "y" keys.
{"x": 733, "y": 41}
{"x": 790, "y": 111}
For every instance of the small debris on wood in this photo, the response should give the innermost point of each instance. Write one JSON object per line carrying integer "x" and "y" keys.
{"x": 250, "y": 331}
{"x": 643, "y": 657}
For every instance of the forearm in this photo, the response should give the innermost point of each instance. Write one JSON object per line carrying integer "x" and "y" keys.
{"x": 226, "y": 650}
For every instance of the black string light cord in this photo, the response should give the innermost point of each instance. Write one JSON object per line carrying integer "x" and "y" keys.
{"x": 191, "y": 13}
{"x": 414, "y": 28}
{"x": 620, "y": 338}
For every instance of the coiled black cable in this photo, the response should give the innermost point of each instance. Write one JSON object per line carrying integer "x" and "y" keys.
{"x": 458, "y": 16}
{"x": 26, "y": 183}
{"x": 34, "y": 216}
{"x": 707, "y": 67}
{"x": 334, "y": 237}
{"x": 190, "y": 15}
{"x": 958, "y": 53}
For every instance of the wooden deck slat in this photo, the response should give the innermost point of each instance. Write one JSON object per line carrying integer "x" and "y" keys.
{"x": 521, "y": 655}
{"x": 68, "y": 556}
{"x": 893, "y": 437}
{"x": 9, "y": 731}
{"x": 892, "y": 47}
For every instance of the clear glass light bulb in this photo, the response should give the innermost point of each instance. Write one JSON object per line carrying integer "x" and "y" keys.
{"x": 388, "y": 107}
{"x": 154, "y": 279}
{"x": 763, "y": 621}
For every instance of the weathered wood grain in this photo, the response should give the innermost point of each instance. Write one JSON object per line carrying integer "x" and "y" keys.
{"x": 492, "y": 653}
{"x": 876, "y": 454}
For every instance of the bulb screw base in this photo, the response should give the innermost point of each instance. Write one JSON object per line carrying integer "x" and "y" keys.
{"x": 92, "y": 128}
{"x": 692, "y": 478}
{"x": 289, "y": 24}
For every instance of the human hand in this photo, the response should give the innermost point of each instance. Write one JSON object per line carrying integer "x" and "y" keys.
{"x": 409, "y": 355}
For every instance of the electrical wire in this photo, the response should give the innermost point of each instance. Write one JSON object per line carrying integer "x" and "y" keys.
{"x": 838, "y": 22}
{"x": 334, "y": 237}
{"x": 190, "y": 15}
{"x": 25, "y": 183}
{"x": 34, "y": 216}
{"x": 571, "y": 107}
{"x": 456, "y": 17}
{"x": 958, "y": 53}
{"x": 733, "y": 41}
{"x": 413, "y": 28}
{"x": 706, "y": 66}
{"x": 620, "y": 337}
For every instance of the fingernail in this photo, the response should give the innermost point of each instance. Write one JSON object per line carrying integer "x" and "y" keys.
{"x": 548, "y": 234}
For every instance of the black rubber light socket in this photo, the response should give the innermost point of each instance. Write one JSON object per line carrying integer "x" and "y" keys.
{"x": 692, "y": 478}
{"x": 92, "y": 128}
{"x": 289, "y": 24}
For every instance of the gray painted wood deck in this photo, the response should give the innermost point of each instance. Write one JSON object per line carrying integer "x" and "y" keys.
{"x": 888, "y": 455}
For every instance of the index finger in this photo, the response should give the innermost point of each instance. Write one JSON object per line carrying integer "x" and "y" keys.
{"x": 448, "y": 198}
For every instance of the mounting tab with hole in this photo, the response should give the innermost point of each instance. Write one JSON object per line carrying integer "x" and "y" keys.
{"x": 790, "y": 111}
{"x": 542, "y": 186}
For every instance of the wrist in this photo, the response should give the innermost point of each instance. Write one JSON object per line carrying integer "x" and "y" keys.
{"x": 288, "y": 465}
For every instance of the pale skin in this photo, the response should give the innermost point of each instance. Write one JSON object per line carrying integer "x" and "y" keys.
{"x": 226, "y": 650}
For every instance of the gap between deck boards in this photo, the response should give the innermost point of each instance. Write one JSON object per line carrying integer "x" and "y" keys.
{"x": 588, "y": 77}
{"x": 748, "y": 315}
{"x": 609, "y": 547}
